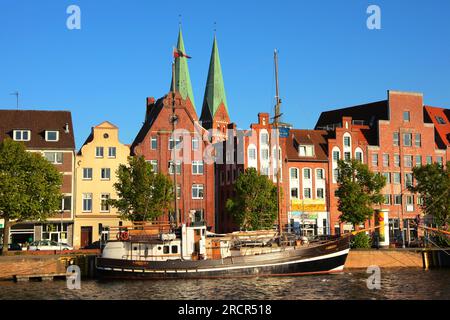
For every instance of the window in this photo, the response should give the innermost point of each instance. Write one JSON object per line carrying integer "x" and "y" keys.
{"x": 197, "y": 191}
{"x": 265, "y": 171}
{"x": 104, "y": 206}
{"x": 195, "y": 144}
{"x": 154, "y": 142}
{"x": 294, "y": 173}
{"x": 171, "y": 167}
{"x": 319, "y": 174}
{"x": 264, "y": 138}
{"x": 439, "y": 160}
{"x": 440, "y": 120}
{"x": 166, "y": 249}
{"x": 406, "y": 116}
{"x": 407, "y": 139}
{"x": 66, "y": 203}
{"x": 409, "y": 201}
{"x": 111, "y": 152}
{"x": 87, "y": 202}
{"x": 265, "y": 154}
{"x": 54, "y": 157}
{"x": 397, "y": 199}
{"x": 336, "y": 155}
{"x": 418, "y": 140}
{"x": 294, "y": 193}
{"x": 154, "y": 164}
{"x": 387, "y": 175}
{"x": 385, "y": 160}
{"x": 51, "y": 135}
{"x": 252, "y": 154}
{"x": 418, "y": 161}
{"x": 396, "y": 160}
{"x": 408, "y": 161}
{"x": 387, "y": 199}
{"x": 21, "y": 135}
{"x": 408, "y": 179}
{"x": 171, "y": 142}
{"x": 105, "y": 174}
{"x": 174, "y": 249}
{"x": 358, "y": 156}
{"x": 336, "y": 173}
{"x": 87, "y": 173}
{"x": 178, "y": 191}
{"x": 347, "y": 156}
{"x": 397, "y": 177}
{"x": 199, "y": 216}
{"x": 99, "y": 152}
{"x": 320, "y": 193}
{"x": 307, "y": 173}
{"x": 347, "y": 141}
{"x": 306, "y": 151}
{"x": 375, "y": 159}
{"x": 396, "y": 139}
{"x": 197, "y": 167}
{"x": 307, "y": 193}
{"x": 429, "y": 160}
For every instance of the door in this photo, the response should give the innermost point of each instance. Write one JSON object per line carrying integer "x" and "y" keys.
{"x": 86, "y": 236}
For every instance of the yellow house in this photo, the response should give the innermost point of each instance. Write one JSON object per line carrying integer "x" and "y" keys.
{"x": 95, "y": 173}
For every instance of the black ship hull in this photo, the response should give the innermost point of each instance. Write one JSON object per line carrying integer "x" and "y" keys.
{"x": 328, "y": 257}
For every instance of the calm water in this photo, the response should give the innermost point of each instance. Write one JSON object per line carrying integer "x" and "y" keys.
{"x": 395, "y": 284}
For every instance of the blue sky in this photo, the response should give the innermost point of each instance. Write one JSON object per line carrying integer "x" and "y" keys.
{"x": 328, "y": 58}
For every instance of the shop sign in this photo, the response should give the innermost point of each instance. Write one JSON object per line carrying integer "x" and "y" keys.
{"x": 298, "y": 215}
{"x": 308, "y": 205}
{"x": 2, "y": 223}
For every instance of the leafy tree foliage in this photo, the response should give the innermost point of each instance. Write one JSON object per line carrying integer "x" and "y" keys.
{"x": 358, "y": 191}
{"x": 142, "y": 194}
{"x": 29, "y": 186}
{"x": 433, "y": 185}
{"x": 254, "y": 205}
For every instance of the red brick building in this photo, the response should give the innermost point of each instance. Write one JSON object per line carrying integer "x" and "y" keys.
{"x": 51, "y": 134}
{"x": 440, "y": 117}
{"x": 397, "y": 138}
{"x": 189, "y": 147}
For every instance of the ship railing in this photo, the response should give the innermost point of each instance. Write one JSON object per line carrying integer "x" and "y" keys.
{"x": 139, "y": 231}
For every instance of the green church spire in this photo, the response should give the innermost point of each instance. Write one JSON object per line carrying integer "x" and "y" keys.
{"x": 182, "y": 78}
{"x": 215, "y": 89}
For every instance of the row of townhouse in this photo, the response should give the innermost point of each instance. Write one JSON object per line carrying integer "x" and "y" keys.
{"x": 390, "y": 136}
{"x": 207, "y": 154}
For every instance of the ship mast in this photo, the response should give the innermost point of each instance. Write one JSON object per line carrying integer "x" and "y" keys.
{"x": 173, "y": 120}
{"x": 277, "y": 151}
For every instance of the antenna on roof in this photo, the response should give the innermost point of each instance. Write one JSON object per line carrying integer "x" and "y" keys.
{"x": 17, "y": 98}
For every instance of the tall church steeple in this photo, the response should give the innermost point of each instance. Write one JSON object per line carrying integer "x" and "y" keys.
{"x": 182, "y": 78}
{"x": 215, "y": 107}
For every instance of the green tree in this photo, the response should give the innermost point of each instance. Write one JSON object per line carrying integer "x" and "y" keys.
{"x": 142, "y": 194}
{"x": 358, "y": 191}
{"x": 29, "y": 186}
{"x": 433, "y": 186}
{"x": 254, "y": 205}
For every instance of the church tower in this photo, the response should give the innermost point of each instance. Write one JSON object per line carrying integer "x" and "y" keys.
{"x": 215, "y": 108}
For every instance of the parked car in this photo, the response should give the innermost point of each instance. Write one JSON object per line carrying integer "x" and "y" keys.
{"x": 12, "y": 247}
{"x": 48, "y": 245}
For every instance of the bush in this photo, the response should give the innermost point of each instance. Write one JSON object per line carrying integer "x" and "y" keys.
{"x": 361, "y": 241}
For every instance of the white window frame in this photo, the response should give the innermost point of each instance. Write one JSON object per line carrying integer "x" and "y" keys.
{"x": 87, "y": 196}
{"x": 109, "y": 152}
{"x": 55, "y": 158}
{"x": 196, "y": 165}
{"x": 49, "y": 131}
{"x": 21, "y": 135}
{"x": 105, "y": 170}
{"x": 97, "y": 153}
{"x": 84, "y": 176}
{"x": 198, "y": 187}
{"x": 101, "y": 202}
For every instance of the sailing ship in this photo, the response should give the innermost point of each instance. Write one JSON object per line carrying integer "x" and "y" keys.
{"x": 160, "y": 250}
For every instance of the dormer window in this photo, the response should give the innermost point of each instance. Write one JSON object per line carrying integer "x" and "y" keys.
{"x": 306, "y": 151}
{"x": 21, "y": 135}
{"x": 51, "y": 136}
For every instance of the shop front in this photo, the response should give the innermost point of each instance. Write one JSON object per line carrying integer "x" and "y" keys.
{"x": 309, "y": 217}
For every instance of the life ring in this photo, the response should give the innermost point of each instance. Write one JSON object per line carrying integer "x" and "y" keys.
{"x": 124, "y": 236}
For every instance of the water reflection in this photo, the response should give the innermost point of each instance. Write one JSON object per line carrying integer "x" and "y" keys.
{"x": 395, "y": 284}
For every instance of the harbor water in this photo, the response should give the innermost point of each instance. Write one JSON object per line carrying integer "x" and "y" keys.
{"x": 395, "y": 284}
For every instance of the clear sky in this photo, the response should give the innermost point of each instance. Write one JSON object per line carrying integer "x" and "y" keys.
{"x": 328, "y": 58}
